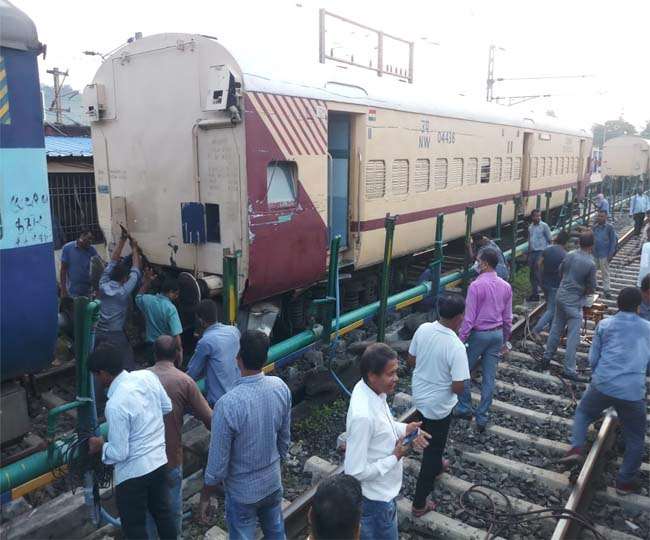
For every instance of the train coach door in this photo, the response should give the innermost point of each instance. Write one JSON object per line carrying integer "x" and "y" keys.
{"x": 338, "y": 175}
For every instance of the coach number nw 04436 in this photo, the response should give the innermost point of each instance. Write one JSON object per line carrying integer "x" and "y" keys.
{"x": 448, "y": 137}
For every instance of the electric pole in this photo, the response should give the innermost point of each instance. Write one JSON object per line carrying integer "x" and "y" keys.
{"x": 490, "y": 75}
{"x": 56, "y": 102}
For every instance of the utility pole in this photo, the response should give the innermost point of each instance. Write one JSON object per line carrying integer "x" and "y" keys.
{"x": 56, "y": 102}
{"x": 490, "y": 74}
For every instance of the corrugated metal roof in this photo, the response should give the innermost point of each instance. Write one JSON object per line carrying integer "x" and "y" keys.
{"x": 68, "y": 146}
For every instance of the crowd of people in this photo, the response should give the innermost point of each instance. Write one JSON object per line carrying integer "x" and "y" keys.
{"x": 249, "y": 413}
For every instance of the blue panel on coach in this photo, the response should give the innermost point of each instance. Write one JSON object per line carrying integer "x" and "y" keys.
{"x": 28, "y": 299}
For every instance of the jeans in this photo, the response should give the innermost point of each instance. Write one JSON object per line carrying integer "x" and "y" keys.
{"x": 431, "y": 457}
{"x": 632, "y": 417}
{"x": 638, "y": 223}
{"x": 136, "y": 496}
{"x": 487, "y": 346}
{"x": 379, "y": 520}
{"x": 602, "y": 263}
{"x": 547, "y": 319}
{"x": 242, "y": 518}
{"x": 571, "y": 317}
{"x": 174, "y": 481}
{"x": 533, "y": 266}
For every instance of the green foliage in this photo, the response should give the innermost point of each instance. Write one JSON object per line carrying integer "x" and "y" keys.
{"x": 646, "y": 131}
{"x": 520, "y": 286}
{"x": 320, "y": 418}
{"x": 611, "y": 129}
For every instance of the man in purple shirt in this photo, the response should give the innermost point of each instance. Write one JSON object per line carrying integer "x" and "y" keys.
{"x": 486, "y": 329}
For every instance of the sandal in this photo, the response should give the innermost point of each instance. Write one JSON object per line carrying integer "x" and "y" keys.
{"x": 429, "y": 506}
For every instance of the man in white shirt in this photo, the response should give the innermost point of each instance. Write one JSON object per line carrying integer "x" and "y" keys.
{"x": 136, "y": 446}
{"x": 375, "y": 448}
{"x": 441, "y": 367}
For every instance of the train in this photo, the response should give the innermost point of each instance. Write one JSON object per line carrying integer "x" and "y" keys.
{"x": 627, "y": 155}
{"x": 198, "y": 155}
{"x": 28, "y": 293}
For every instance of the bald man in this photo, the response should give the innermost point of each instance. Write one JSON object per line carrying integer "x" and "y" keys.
{"x": 185, "y": 397}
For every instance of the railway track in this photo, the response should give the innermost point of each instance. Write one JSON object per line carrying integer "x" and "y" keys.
{"x": 505, "y": 482}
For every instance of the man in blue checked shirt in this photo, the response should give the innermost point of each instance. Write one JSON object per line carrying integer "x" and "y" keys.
{"x": 604, "y": 248}
{"x": 136, "y": 405}
{"x": 619, "y": 358}
{"x": 250, "y": 436}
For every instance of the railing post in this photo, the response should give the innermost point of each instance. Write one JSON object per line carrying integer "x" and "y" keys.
{"x": 571, "y": 207}
{"x": 497, "y": 238}
{"x": 562, "y": 219}
{"x": 86, "y": 315}
{"x": 469, "y": 213}
{"x": 515, "y": 227}
{"x": 538, "y": 201}
{"x": 389, "y": 225}
{"x": 547, "y": 211}
{"x": 586, "y": 207}
{"x": 330, "y": 297}
{"x": 436, "y": 263}
{"x": 230, "y": 295}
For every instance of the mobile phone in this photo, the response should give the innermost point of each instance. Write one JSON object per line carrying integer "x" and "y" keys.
{"x": 410, "y": 438}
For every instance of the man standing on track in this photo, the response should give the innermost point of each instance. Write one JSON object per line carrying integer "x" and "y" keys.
{"x": 215, "y": 353}
{"x": 619, "y": 358}
{"x": 250, "y": 436}
{"x": 115, "y": 289}
{"x": 550, "y": 262}
{"x": 185, "y": 397}
{"x": 486, "y": 330}
{"x": 605, "y": 242}
{"x": 578, "y": 273}
{"x": 482, "y": 242}
{"x": 375, "y": 448}
{"x": 539, "y": 238}
{"x": 136, "y": 405}
{"x": 639, "y": 205}
{"x": 441, "y": 367}
{"x": 75, "y": 265}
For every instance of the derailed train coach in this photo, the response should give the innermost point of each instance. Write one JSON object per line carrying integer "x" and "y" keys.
{"x": 197, "y": 156}
{"x": 28, "y": 298}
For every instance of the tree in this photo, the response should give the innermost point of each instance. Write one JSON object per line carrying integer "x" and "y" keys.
{"x": 646, "y": 131}
{"x": 611, "y": 129}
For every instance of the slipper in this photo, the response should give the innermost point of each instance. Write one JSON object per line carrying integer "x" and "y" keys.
{"x": 429, "y": 506}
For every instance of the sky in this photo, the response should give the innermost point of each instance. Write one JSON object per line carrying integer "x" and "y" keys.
{"x": 603, "y": 40}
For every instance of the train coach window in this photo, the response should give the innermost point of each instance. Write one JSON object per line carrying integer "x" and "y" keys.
{"x": 471, "y": 172}
{"x": 485, "y": 170}
{"x": 212, "y": 223}
{"x": 516, "y": 170}
{"x": 542, "y": 167}
{"x": 440, "y": 173}
{"x": 506, "y": 173}
{"x": 496, "y": 170}
{"x": 281, "y": 182}
{"x": 455, "y": 173}
{"x": 533, "y": 167}
{"x": 400, "y": 177}
{"x": 422, "y": 175}
{"x": 556, "y": 162}
{"x": 375, "y": 179}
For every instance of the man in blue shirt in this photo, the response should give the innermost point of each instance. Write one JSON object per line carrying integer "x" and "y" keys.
{"x": 75, "y": 265}
{"x": 215, "y": 353}
{"x": 601, "y": 203}
{"x": 115, "y": 288}
{"x": 482, "y": 242}
{"x": 250, "y": 436}
{"x": 550, "y": 262}
{"x": 136, "y": 405}
{"x": 604, "y": 248}
{"x": 644, "y": 308}
{"x": 539, "y": 238}
{"x": 639, "y": 205}
{"x": 160, "y": 313}
{"x": 619, "y": 358}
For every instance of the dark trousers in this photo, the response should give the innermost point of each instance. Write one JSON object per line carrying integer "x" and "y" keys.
{"x": 638, "y": 223}
{"x": 431, "y": 457}
{"x": 136, "y": 496}
{"x": 533, "y": 266}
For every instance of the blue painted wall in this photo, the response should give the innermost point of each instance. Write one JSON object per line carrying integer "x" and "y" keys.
{"x": 28, "y": 299}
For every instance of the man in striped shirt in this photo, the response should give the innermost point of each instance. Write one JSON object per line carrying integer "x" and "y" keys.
{"x": 250, "y": 435}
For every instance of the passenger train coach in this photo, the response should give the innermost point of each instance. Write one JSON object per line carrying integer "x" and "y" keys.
{"x": 196, "y": 155}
